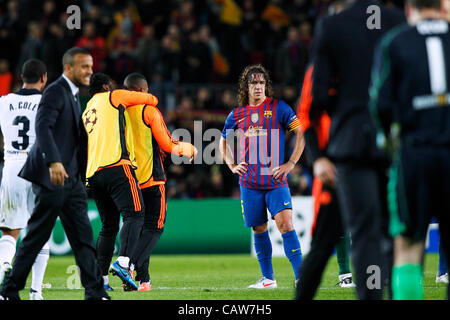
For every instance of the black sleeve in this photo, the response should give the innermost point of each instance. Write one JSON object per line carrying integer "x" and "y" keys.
{"x": 312, "y": 145}
{"x": 322, "y": 75}
{"x": 50, "y": 107}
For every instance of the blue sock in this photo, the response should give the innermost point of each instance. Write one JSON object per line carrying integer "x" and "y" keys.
{"x": 442, "y": 263}
{"x": 263, "y": 249}
{"x": 292, "y": 250}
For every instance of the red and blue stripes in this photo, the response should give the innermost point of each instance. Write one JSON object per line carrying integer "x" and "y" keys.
{"x": 262, "y": 145}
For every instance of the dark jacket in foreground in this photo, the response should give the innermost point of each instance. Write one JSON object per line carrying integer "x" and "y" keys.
{"x": 60, "y": 137}
{"x": 343, "y": 55}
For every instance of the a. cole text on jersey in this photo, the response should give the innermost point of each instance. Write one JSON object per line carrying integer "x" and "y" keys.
{"x": 18, "y": 114}
{"x": 23, "y": 105}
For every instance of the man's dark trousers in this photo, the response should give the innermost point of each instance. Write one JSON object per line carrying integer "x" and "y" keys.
{"x": 69, "y": 203}
{"x": 60, "y": 138}
{"x": 360, "y": 190}
{"x": 328, "y": 230}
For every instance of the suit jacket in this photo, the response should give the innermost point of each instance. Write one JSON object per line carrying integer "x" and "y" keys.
{"x": 60, "y": 137}
{"x": 342, "y": 55}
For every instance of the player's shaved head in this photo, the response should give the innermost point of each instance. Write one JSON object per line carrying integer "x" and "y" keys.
{"x": 33, "y": 70}
{"x": 69, "y": 55}
{"x": 135, "y": 82}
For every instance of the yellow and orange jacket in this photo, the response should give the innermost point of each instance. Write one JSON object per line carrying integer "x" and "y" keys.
{"x": 150, "y": 135}
{"x": 108, "y": 127}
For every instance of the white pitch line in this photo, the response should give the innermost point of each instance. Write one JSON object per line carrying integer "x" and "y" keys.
{"x": 172, "y": 288}
{"x": 222, "y": 288}
{"x": 213, "y": 288}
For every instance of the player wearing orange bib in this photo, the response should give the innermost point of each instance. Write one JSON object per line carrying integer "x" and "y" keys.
{"x": 110, "y": 172}
{"x": 150, "y": 139}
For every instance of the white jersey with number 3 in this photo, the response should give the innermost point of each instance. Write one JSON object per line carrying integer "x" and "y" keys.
{"x": 17, "y": 117}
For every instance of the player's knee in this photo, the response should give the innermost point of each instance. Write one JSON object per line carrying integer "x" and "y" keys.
{"x": 284, "y": 222}
{"x": 8, "y": 232}
{"x": 285, "y": 226}
{"x": 408, "y": 251}
{"x": 260, "y": 229}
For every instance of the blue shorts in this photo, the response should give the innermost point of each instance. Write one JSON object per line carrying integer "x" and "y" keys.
{"x": 256, "y": 202}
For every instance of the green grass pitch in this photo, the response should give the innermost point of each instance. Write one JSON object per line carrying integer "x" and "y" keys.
{"x": 213, "y": 277}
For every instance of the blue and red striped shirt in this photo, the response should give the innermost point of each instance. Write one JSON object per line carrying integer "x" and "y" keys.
{"x": 261, "y": 134}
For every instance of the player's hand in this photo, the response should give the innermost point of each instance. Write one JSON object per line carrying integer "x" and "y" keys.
{"x": 240, "y": 169}
{"x": 325, "y": 170}
{"x": 57, "y": 173}
{"x": 283, "y": 170}
{"x": 191, "y": 159}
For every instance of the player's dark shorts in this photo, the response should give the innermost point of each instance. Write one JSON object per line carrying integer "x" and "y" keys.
{"x": 116, "y": 190}
{"x": 418, "y": 188}
{"x": 255, "y": 204}
{"x": 155, "y": 207}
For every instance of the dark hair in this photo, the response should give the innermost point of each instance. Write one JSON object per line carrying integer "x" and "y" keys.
{"x": 425, "y": 4}
{"x": 69, "y": 55}
{"x": 133, "y": 81}
{"x": 245, "y": 77}
{"x": 97, "y": 81}
{"x": 33, "y": 70}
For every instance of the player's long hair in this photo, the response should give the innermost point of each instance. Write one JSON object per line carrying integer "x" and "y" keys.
{"x": 245, "y": 77}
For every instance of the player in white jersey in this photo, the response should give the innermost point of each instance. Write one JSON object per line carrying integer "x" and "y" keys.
{"x": 18, "y": 113}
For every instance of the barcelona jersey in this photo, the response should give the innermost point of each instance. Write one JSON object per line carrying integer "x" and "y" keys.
{"x": 260, "y": 133}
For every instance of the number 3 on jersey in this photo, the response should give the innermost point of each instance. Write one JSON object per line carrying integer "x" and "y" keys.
{"x": 24, "y": 126}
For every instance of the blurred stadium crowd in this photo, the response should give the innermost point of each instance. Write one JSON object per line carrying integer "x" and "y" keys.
{"x": 191, "y": 52}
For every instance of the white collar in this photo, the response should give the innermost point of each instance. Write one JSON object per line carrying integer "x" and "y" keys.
{"x": 72, "y": 86}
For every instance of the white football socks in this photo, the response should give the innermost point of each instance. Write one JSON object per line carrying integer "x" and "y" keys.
{"x": 39, "y": 266}
{"x": 123, "y": 261}
{"x": 7, "y": 249}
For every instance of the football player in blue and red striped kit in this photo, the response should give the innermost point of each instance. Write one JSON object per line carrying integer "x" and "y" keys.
{"x": 260, "y": 124}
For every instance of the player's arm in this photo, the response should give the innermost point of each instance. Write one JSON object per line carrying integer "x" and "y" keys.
{"x": 308, "y": 117}
{"x": 47, "y": 115}
{"x": 128, "y": 98}
{"x": 323, "y": 168}
{"x": 299, "y": 146}
{"x": 381, "y": 92}
{"x": 154, "y": 118}
{"x": 227, "y": 155}
{"x": 290, "y": 122}
{"x": 225, "y": 150}
{"x": 322, "y": 82}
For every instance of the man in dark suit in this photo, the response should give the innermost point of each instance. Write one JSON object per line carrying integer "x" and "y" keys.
{"x": 343, "y": 54}
{"x": 56, "y": 167}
